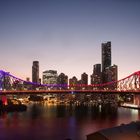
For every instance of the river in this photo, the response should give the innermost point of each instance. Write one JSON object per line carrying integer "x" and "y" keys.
{"x": 61, "y": 122}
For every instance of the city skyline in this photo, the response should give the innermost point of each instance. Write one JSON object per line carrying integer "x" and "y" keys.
{"x": 66, "y": 35}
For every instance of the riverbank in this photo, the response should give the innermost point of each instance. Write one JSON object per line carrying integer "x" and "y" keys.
{"x": 12, "y": 108}
{"x": 131, "y": 106}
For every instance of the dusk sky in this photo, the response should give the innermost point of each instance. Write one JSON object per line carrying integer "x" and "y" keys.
{"x": 66, "y": 35}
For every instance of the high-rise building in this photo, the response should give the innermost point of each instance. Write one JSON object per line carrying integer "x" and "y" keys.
{"x": 35, "y": 72}
{"x": 97, "y": 69}
{"x": 96, "y": 76}
{"x": 84, "y": 79}
{"x": 73, "y": 82}
{"x": 50, "y": 77}
{"x": 106, "y": 55}
{"x": 106, "y": 59}
{"x": 62, "y": 80}
{"x": 112, "y": 75}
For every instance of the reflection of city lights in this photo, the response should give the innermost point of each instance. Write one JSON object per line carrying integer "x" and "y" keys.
{"x": 134, "y": 111}
{"x": 100, "y": 108}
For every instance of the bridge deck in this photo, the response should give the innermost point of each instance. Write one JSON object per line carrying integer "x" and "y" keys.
{"x": 68, "y": 91}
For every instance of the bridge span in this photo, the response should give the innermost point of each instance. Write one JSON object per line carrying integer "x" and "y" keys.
{"x": 10, "y": 84}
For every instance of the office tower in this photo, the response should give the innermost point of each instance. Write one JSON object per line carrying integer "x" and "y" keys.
{"x": 73, "y": 82}
{"x": 106, "y": 55}
{"x": 97, "y": 69}
{"x": 96, "y": 76}
{"x": 84, "y": 79}
{"x": 35, "y": 72}
{"x": 106, "y": 59}
{"x": 62, "y": 80}
{"x": 112, "y": 75}
{"x": 50, "y": 77}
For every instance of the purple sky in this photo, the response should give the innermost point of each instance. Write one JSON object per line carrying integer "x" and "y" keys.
{"x": 66, "y": 35}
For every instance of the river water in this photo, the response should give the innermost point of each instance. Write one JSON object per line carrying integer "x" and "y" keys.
{"x": 61, "y": 122}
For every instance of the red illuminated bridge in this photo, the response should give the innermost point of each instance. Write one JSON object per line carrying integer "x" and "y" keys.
{"x": 10, "y": 84}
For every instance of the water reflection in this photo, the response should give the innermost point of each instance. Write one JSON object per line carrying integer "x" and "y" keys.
{"x": 35, "y": 111}
{"x": 61, "y": 122}
{"x": 61, "y": 111}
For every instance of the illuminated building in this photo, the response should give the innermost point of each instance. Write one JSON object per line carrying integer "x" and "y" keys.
{"x": 62, "y": 80}
{"x": 111, "y": 74}
{"x": 50, "y": 77}
{"x": 73, "y": 82}
{"x": 106, "y": 55}
{"x": 35, "y": 72}
{"x": 106, "y": 59}
{"x": 96, "y": 76}
{"x": 84, "y": 80}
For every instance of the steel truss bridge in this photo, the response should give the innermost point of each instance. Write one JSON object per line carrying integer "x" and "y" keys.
{"x": 10, "y": 84}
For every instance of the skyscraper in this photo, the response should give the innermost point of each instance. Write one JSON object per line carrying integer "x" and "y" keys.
{"x": 96, "y": 76}
{"x": 84, "y": 78}
{"x": 106, "y": 59}
{"x": 112, "y": 75}
{"x": 63, "y": 80}
{"x": 106, "y": 55}
{"x": 35, "y": 72}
